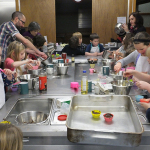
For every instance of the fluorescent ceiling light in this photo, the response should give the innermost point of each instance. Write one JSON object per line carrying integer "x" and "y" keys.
{"x": 78, "y": 0}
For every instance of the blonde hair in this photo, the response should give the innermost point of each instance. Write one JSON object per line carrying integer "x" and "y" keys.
{"x": 77, "y": 34}
{"x": 13, "y": 51}
{"x": 10, "y": 137}
{"x": 148, "y": 52}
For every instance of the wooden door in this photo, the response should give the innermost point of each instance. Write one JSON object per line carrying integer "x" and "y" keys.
{"x": 104, "y": 17}
{"x": 43, "y": 12}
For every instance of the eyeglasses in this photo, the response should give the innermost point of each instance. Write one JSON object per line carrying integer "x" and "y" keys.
{"x": 21, "y": 21}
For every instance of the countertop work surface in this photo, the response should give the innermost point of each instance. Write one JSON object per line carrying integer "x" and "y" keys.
{"x": 58, "y": 87}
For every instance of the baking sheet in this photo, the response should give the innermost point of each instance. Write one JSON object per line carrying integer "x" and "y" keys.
{"x": 123, "y": 128}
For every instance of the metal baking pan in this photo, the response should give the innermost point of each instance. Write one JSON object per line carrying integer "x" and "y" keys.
{"x": 124, "y": 130}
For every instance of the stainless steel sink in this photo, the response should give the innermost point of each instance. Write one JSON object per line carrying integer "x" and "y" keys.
{"x": 31, "y": 104}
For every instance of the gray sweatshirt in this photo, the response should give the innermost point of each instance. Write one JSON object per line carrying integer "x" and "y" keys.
{"x": 130, "y": 58}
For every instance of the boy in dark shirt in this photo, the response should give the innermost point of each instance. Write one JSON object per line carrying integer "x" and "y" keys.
{"x": 72, "y": 48}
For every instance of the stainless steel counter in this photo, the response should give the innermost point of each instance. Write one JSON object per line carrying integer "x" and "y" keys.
{"x": 45, "y": 137}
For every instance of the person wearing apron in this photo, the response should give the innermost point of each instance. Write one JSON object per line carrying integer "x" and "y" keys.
{"x": 94, "y": 48}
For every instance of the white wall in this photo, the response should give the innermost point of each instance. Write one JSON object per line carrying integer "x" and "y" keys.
{"x": 145, "y": 8}
{"x": 7, "y": 7}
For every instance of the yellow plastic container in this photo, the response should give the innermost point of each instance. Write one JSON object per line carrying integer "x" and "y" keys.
{"x": 6, "y": 122}
{"x": 96, "y": 113}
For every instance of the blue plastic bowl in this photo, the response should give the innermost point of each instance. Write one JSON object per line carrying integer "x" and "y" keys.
{"x": 138, "y": 97}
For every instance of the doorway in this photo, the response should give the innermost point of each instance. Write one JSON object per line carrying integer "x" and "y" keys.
{"x": 73, "y": 17}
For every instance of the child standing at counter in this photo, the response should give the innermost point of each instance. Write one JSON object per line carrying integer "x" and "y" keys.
{"x": 141, "y": 43}
{"x": 15, "y": 55}
{"x": 6, "y": 78}
{"x": 142, "y": 83}
{"x": 10, "y": 137}
{"x": 94, "y": 48}
{"x": 40, "y": 43}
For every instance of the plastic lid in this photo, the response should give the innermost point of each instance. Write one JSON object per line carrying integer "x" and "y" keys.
{"x": 84, "y": 71}
{"x": 62, "y": 117}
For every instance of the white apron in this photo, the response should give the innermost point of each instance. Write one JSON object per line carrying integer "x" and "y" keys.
{"x": 94, "y": 49}
{"x": 143, "y": 65}
{"x": 2, "y": 92}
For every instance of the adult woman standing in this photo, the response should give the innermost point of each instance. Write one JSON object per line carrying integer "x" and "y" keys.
{"x": 33, "y": 30}
{"x": 135, "y": 24}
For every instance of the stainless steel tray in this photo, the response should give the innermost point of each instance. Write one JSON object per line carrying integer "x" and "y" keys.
{"x": 124, "y": 130}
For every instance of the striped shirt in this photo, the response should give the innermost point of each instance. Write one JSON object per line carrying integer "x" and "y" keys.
{"x": 7, "y": 35}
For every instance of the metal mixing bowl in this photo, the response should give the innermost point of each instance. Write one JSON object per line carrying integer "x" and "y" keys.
{"x": 122, "y": 87}
{"x": 47, "y": 61}
{"x": 31, "y": 117}
{"x": 117, "y": 76}
{"x": 26, "y": 77}
{"x": 109, "y": 62}
{"x": 62, "y": 70}
{"x": 34, "y": 72}
{"x": 106, "y": 54}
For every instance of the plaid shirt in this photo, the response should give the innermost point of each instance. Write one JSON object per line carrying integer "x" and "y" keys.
{"x": 7, "y": 35}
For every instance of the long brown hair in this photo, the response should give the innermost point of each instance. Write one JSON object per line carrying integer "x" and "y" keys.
{"x": 10, "y": 137}
{"x": 128, "y": 40}
{"x": 13, "y": 51}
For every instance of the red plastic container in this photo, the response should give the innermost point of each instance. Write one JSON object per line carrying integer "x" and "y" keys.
{"x": 108, "y": 119}
{"x": 62, "y": 117}
{"x": 144, "y": 100}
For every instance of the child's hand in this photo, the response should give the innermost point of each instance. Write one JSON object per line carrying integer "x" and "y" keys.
{"x": 135, "y": 79}
{"x": 145, "y": 105}
{"x": 29, "y": 66}
{"x": 95, "y": 54}
{"x": 8, "y": 73}
{"x": 142, "y": 85}
{"x": 37, "y": 63}
{"x": 99, "y": 54}
{"x": 117, "y": 67}
{"x": 30, "y": 61}
{"x": 120, "y": 54}
{"x": 128, "y": 73}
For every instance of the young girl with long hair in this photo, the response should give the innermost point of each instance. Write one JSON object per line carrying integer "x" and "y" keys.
{"x": 15, "y": 58}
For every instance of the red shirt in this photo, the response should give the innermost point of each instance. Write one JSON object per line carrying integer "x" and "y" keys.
{"x": 7, "y": 64}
